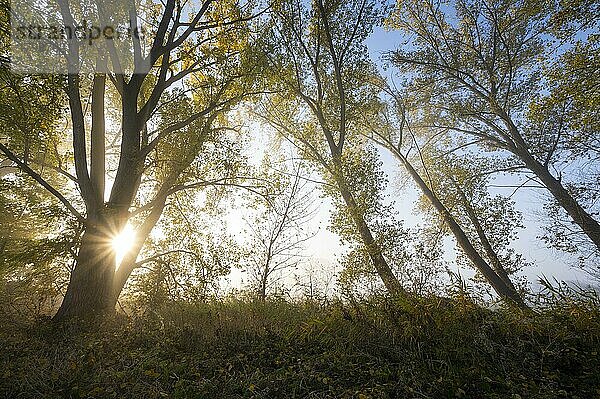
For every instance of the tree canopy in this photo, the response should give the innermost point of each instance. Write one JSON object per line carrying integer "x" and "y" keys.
{"x": 478, "y": 93}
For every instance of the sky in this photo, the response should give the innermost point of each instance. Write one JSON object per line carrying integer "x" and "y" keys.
{"x": 325, "y": 247}
{"x": 528, "y": 200}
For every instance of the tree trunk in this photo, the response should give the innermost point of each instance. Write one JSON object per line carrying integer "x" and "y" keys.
{"x": 390, "y": 281}
{"x": 90, "y": 288}
{"x": 498, "y": 284}
{"x": 97, "y": 139}
{"x": 96, "y": 264}
{"x": 487, "y": 246}
{"x": 580, "y": 216}
{"x": 262, "y": 288}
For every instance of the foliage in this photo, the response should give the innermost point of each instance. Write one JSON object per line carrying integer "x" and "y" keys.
{"x": 38, "y": 238}
{"x": 490, "y": 73}
{"x": 516, "y": 79}
{"x": 34, "y": 263}
{"x": 415, "y": 256}
{"x": 490, "y": 221}
{"x": 190, "y": 251}
{"x": 569, "y": 108}
{"x": 365, "y": 178}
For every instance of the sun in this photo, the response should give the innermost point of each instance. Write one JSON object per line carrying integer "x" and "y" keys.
{"x": 123, "y": 242}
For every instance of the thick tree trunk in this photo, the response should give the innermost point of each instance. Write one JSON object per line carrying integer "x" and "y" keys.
{"x": 580, "y": 216}
{"x": 96, "y": 282}
{"x": 390, "y": 281}
{"x": 498, "y": 284}
{"x": 90, "y": 288}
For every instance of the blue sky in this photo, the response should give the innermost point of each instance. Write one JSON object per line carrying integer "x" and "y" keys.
{"x": 528, "y": 200}
{"x": 325, "y": 247}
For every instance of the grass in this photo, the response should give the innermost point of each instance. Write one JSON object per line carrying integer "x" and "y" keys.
{"x": 375, "y": 349}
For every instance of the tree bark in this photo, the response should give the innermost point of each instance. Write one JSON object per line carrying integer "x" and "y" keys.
{"x": 505, "y": 292}
{"x": 580, "y": 216}
{"x": 90, "y": 288}
{"x": 390, "y": 281}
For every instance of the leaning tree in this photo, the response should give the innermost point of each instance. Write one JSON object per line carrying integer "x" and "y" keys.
{"x": 476, "y": 68}
{"x": 453, "y": 192}
{"x": 319, "y": 58}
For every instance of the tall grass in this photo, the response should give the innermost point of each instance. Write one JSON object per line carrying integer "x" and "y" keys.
{"x": 373, "y": 348}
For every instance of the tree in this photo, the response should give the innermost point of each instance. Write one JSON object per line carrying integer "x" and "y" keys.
{"x": 188, "y": 256}
{"x": 195, "y": 70}
{"x": 318, "y": 60}
{"x": 392, "y": 130}
{"x": 570, "y": 108}
{"x": 478, "y": 73}
{"x": 489, "y": 221}
{"x": 315, "y": 281}
{"x": 278, "y": 230}
{"x": 414, "y": 254}
{"x": 189, "y": 249}
{"x": 367, "y": 181}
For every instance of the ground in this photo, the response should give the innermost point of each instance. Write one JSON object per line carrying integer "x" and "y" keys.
{"x": 372, "y": 349}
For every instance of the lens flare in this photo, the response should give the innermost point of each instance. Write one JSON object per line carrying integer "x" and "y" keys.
{"x": 123, "y": 242}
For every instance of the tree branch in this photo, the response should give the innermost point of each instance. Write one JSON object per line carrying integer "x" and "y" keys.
{"x": 33, "y": 174}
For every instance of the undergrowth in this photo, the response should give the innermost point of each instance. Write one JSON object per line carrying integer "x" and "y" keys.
{"x": 372, "y": 349}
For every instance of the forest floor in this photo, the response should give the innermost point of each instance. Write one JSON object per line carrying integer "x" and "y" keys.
{"x": 237, "y": 349}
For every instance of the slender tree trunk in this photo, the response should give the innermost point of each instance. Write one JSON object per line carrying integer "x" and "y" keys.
{"x": 498, "y": 284}
{"x": 580, "y": 216}
{"x": 390, "y": 281}
{"x": 487, "y": 246}
{"x": 97, "y": 139}
{"x": 262, "y": 289}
